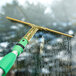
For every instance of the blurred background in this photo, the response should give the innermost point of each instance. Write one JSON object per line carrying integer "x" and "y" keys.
{"x": 47, "y": 54}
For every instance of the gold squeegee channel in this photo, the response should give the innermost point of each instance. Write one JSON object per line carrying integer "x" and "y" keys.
{"x": 38, "y": 27}
{"x": 31, "y": 33}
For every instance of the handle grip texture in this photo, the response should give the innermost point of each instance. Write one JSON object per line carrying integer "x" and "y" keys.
{"x": 7, "y": 61}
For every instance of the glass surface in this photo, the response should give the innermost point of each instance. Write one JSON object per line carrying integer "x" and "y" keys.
{"x": 47, "y": 54}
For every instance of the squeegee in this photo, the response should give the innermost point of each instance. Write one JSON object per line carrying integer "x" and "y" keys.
{"x": 8, "y": 60}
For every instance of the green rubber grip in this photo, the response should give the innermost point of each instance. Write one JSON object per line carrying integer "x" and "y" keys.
{"x": 18, "y": 48}
{"x": 7, "y": 62}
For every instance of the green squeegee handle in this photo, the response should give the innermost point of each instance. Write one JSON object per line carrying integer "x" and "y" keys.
{"x": 7, "y": 61}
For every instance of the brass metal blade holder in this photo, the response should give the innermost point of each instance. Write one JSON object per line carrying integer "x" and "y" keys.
{"x": 35, "y": 28}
